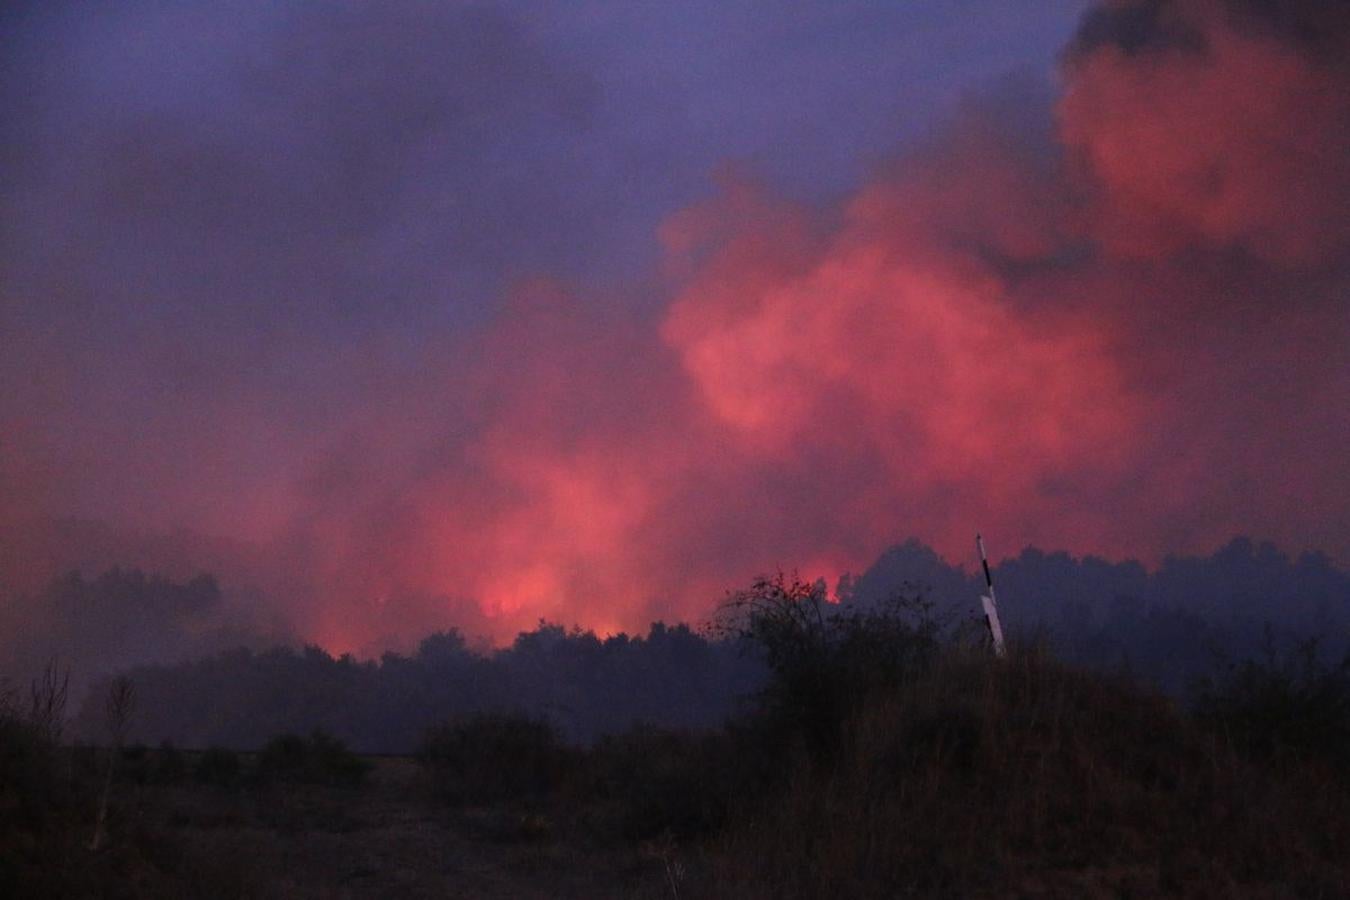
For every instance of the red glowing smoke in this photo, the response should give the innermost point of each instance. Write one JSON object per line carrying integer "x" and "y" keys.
{"x": 1124, "y": 335}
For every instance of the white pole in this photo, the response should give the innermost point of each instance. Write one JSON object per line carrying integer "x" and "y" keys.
{"x": 987, "y": 601}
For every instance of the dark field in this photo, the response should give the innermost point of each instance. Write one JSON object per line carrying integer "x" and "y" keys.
{"x": 885, "y": 756}
{"x": 386, "y": 838}
{"x": 968, "y": 778}
{"x": 389, "y": 836}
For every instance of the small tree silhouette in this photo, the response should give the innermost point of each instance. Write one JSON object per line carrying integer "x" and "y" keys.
{"x": 47, "y": 702}
{"x": 121, "y": 704}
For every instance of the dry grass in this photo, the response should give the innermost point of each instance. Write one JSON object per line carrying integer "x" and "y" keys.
{"x": 386, "y": 838}
{"x": 1026, "y": 778}
{"x": 962, "y": 776}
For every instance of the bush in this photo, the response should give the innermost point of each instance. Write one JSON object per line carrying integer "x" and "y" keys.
{"x": 1289, "y": 708}
{"x": 218, "y": 766}
{"x": 28, "y": 773}
{"x": 41, "y": 804}
{"x": 135, "y": 765}
{"x": 33, "y": 790}
{"x": 317, "y": 759}
{"x": 490, "y": 757}
{"x": 982, "y": 777}
{"x": 824, "y": 658}
{"x": 655, "y": 782}
{"x": 170, "y": 767}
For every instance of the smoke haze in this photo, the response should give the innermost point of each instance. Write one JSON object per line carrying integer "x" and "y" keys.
{"x": 413, "y": 315}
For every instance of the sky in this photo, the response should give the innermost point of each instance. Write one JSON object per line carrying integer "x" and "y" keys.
{"x": 410, "y": 314}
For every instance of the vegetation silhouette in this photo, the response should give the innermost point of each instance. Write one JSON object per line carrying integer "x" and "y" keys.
{"x": 826, "y": 658}
{"x": 884, "y": 754}
{"x": 979, "y": 777}
{"x": 318, "y": 758}
{"x": 1172, "y": 627}
{"x": 1179, "y": 731}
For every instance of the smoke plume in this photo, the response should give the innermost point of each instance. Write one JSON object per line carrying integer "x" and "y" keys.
{"x": 345, "y": 312}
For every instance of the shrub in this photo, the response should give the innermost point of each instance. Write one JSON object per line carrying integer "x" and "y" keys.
{"x": 170, "y": 767}
{"x": 655, "y": 782}
{"x": 826, "y": 658}
{"x": 136, "y": 765}
{"x": 489, "y": 757}
{"x": 218, "y": 766}
{"x": 41, "y": 804}
{"x": 982, "y": 777}
{"x": 317, "y": 759}
{"x": 1289, "y": 707}
{"x": 33, "y": 789}
{"x": 28, "y": 774}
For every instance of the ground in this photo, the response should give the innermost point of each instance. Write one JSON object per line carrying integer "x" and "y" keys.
{"x": 387, "y": 838}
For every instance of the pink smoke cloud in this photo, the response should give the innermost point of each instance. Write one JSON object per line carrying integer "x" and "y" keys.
{"x": 1236, "y": 138}
{"x": 1121, "y": 332}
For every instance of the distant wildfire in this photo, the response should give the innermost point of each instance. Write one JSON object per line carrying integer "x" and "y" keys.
{"x": 1120, "y": 329}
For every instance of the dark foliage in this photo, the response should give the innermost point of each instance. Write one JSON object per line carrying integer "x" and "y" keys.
{"x": 170, "y": 764}
{"x": 491, "y": 757}
{"x": 651, "y": 782}
{"x": 136, "y": 764}
{"x": 1293, "y": 707}
{"x": 1164, "y": 626}
{"x": 28, "y": 776}
{"x": 884, "y": 757}
{"x": 887, "y": 757}
{"x": 317, "y": 759}
{"x": 218, "y": 766}
{"x": 46, "y": 799}
{"x": 826, "y": 658}
{"x": 978, "y": 777}
{"x": 585, "y": 685}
